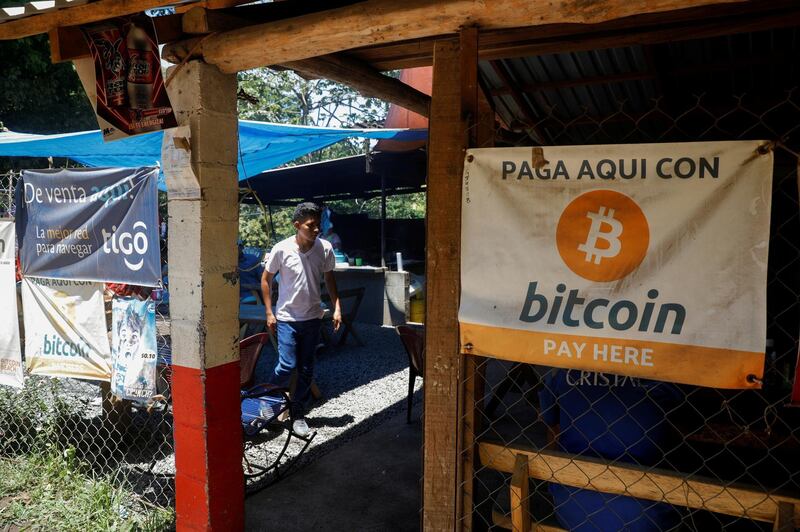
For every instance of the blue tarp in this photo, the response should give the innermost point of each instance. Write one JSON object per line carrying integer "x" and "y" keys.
{"x": 262, "y": 145}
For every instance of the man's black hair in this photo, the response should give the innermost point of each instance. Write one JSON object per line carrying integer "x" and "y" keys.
{"x": 306, "y": 210}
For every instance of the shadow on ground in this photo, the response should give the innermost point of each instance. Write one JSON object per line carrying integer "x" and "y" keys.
{"x": 370, "y": 483}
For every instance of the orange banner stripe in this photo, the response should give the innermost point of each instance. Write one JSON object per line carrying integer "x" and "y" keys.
{"x": 686, "y": 364}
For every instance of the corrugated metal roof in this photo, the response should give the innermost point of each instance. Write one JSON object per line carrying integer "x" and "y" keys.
{"x": 549, "y": 94}
{"x": 35, "y": 7}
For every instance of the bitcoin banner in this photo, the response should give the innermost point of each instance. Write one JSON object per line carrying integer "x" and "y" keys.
{"x": 646, "y": 260}
{"x": 65, "y": 329}
{"x": 10, "y": 353}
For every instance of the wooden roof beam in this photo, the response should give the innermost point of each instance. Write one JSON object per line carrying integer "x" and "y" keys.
{"x": 68, "y": 13}
{"x": 199, "y": 19}
{"x": 385, "y": 21}
{"x": 561, "y": 38}
{"x": 336, "y": 67}
{"x": 363, "y": 78}
{"x": 74, "y": 16}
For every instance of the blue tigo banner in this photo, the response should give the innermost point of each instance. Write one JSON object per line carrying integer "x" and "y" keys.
{"x": 90, "y": 224}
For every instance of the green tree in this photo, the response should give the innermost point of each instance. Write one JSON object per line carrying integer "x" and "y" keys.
{"x": 284, "y": 97}
{"x": 37, "y": 96}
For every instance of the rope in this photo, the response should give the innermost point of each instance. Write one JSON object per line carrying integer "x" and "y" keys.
{"x": 186, "y": 58}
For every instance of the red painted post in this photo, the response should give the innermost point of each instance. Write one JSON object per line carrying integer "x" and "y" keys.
{"x": 204, "y": 301}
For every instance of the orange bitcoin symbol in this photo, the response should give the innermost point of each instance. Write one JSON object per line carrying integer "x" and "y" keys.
{"x": 602, "y": 235}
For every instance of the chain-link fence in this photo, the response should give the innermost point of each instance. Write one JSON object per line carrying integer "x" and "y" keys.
{"x": 60, "y": 427}
{"x": 591, "y": 451}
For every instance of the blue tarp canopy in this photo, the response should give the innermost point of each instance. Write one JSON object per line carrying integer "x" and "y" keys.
{"x": 262, "y": 145}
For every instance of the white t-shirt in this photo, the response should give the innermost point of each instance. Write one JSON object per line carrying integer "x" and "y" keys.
{"x": 300, "y": 277}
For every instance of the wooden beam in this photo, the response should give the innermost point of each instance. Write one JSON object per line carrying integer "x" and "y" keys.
{"x": 641, "y": 482}
{"x": 199, "y": 20}
{"x": 468, "y": 67}
{"x": 207, "y": 19}
{"x": 563, "y": 38}
{"x": 75, "y": 16}
{"x": 679, "y": 32}
{"x": 168, "y": 28}
{"x": 365, "y": 80}
{"x": 67, "y": 44}
{"x": 88, "y": 12}
{"x": 504, "y": 521}
{"x": 385, "y": 21}
{"x": 447, "y": 140}
{"x": 342, "y": 69}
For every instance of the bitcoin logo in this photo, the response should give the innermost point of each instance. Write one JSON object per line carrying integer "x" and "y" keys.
{"x": 604, "y": 216}
{"x": 602, "y": 235}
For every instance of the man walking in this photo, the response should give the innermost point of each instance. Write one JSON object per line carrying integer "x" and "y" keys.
{"x": 301, "y": 260}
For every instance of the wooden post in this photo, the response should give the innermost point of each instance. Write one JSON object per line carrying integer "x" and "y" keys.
{"x": 520, "y": 492}
{"x": 443, "y": 233}
{"x": 204, "y": 295}
{"x": 474, "y": 380}
{"x": 784, "y": 521}
{"x": 467, "y": 402}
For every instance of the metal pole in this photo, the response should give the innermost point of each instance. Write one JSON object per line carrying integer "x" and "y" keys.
{"x": 10, "y": 193}
{"x": 383, "y": 220}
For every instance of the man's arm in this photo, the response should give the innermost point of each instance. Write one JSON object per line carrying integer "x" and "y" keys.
{"x": 330, "y": 283}
{"x": 266, "y": 283}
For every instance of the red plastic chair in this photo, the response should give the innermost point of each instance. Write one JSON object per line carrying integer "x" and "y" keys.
{"x": 413, "y": 339}
{"x": 249, "y": 349}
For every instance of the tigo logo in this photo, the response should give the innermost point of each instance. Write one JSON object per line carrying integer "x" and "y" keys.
{"x": 602, "y": 235}
{"x": 127, "y": 244}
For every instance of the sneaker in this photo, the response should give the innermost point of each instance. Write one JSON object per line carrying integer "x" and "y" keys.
{"x": 300, "y": 427}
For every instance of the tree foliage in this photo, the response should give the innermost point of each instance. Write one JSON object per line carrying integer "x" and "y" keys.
{"x": 284, "y": 97}
{"x": 37, "y": 96}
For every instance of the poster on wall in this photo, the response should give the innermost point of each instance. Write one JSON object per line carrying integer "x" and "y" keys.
{"x": 10, "y": 354}
{"x": 133, "y": 348}
{"x": 65, "y": 329}
{"x": 90, "y": 224}
{"x": 646, "y": 260}
{"x": 125, "y": 83}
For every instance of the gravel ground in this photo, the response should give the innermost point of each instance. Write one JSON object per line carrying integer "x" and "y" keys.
{"x": 361, "y": 387}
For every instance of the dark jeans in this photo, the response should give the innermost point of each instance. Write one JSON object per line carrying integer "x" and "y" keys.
{"x": 297, "y": 342}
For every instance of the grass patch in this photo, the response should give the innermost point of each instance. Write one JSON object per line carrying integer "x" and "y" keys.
{"x": 49, "y": 492}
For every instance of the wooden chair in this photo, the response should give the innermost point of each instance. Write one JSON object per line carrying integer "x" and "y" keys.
{"x": 413, "y": 339}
